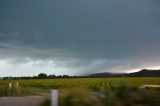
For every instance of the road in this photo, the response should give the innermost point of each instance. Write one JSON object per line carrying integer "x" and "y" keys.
{"x": 22, "y": 101}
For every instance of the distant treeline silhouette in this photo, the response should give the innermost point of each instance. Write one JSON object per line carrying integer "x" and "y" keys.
{"x": 42, "y": 76}
{"x": 141, "y": 73}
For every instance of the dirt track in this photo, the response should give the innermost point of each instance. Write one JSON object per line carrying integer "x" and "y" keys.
{"x": 22, "y": 101}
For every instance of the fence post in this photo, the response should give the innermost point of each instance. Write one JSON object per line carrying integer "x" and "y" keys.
{"x": 10, "y": 85}
{"x": 54, "y": 98}
{"x": 17, "y": 84}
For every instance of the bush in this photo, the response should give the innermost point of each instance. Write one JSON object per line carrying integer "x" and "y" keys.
{"x": 123, "y": 89}
{"x": 78, "y": 97}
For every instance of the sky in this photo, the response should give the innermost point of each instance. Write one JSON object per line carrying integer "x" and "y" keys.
{"x": 78, "y": 37}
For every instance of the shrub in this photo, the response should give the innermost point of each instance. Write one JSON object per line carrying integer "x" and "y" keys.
{"x": 78, "y": 97}
{"x": 123, "y": 89}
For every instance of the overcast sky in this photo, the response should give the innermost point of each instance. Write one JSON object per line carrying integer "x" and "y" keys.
{"x": 78, "y": 37}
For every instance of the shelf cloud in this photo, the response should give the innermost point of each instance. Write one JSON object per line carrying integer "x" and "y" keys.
{"x": 78, "y": 37}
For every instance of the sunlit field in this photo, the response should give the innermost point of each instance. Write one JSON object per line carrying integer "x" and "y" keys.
{"x": 88, "y": 91}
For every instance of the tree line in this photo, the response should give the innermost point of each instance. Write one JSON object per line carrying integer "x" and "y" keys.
{"x": 42, "y": 76}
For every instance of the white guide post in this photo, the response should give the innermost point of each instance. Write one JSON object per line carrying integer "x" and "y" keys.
{"x": 10, "y": 85}
{"x": 17, "y": 84}
{"x": 54, "y": 97}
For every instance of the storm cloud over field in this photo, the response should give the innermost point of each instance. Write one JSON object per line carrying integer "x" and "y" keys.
{"x": 78, "y": 37}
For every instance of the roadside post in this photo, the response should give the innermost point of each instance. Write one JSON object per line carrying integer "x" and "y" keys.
{"x": 54, "y": 97}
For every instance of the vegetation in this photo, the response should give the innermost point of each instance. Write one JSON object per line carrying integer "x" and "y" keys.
{"x": 88, "y": 91}
{"x": 91, "y": 83}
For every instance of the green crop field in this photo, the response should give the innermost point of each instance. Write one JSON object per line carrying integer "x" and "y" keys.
{"x": 88, "y": 91}
{"x": 83, "y": 82}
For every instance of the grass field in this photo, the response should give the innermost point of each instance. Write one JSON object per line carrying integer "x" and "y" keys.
{"x": 92, "y": 83}
{"x": 88, "y": 91}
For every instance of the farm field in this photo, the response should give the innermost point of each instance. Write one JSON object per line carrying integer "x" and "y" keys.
{"x": 86, "y": 91}
{"x": 92, "y": 83}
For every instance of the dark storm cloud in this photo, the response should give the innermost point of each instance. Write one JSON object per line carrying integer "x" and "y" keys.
{"x": 109, "y": 33}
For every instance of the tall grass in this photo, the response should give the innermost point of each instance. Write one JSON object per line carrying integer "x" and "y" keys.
{"x": 15, "y": 90}
{"x": 78, "y": 97}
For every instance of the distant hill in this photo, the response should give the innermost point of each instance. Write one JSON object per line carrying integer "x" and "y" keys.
{"x": 141, "y": 73}
{"x": 145, "y": 72}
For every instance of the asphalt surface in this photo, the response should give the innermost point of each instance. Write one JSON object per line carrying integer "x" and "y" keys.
{"x": 22, "y": 101}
